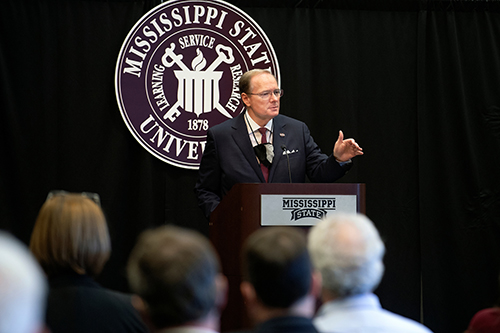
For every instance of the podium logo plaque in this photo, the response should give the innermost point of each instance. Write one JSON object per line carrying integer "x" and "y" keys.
{"x": 303, "y": 210}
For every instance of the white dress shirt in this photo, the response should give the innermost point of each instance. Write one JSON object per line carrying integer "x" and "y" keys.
{"x": 187, "y": 329}
{"x": 363, "y": 314}
{"x": 253, "y": 131}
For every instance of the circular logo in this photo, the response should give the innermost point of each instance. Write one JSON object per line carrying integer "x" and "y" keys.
{"x": 177, "y": 74}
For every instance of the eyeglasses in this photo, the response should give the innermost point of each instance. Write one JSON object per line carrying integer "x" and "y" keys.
{"x": 92, "y": 196}
{"x": 266, "y": 94}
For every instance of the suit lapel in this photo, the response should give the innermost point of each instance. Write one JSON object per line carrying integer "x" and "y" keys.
{"x": 279, "y": 135}
{"x": 240, "y": 136}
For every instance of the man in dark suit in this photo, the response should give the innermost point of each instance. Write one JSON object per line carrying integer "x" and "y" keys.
{"x": 279, "y": 286}
{"x": 254, "y": 146}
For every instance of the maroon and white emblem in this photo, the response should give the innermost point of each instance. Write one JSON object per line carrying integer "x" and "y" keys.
{"x": 178, "y": 70}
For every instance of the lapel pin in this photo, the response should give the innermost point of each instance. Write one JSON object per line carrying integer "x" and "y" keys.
{"x": 282, "y": 135}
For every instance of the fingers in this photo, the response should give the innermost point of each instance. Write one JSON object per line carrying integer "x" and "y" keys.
{"x": 351, "y": 142}
{"x": 347, "y": 146}
{"x": 341, "y": 137}
{"x": 353, "y": 146}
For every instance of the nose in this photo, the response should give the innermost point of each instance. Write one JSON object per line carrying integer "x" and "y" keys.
{"x": 274, "y": 97}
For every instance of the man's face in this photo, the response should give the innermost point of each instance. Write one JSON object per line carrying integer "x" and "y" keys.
{"x": 259, "y": 108}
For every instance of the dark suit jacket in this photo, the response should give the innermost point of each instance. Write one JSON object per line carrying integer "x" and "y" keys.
{"x": 78, "y": 304}
{"x": 229, "y": 159}
{"x": 287, "y": 325}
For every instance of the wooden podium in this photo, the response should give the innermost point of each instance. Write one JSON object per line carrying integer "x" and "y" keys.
{"x": 238, "y": 215}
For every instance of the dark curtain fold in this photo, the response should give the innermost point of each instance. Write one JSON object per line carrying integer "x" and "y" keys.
{"x": 459, "y": 164}
{"x": 415, "y": 82}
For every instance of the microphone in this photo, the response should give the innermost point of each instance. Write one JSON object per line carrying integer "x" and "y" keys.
{"x": 283, "y": 147}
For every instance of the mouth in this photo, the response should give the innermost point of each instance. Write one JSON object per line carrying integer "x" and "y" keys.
{"x": 274, "y": 107}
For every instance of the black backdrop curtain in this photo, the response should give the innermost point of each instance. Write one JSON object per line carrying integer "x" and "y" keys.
{"x": 416, "y": 83}
{"x": 458, "y": 149}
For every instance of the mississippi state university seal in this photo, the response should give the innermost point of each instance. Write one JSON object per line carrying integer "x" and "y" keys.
{"x": 177, "y": 74}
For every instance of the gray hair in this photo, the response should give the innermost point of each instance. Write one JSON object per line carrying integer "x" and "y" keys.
{"x": 23, "y": 288}
{"x": 348, "y": 251}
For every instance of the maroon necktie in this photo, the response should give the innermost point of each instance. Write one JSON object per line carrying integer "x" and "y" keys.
{"x": 265, "y": 170}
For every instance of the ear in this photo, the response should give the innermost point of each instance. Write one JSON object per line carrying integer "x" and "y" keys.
{"x": 251, "y": 301}
{"x": 245, "y": 99}
{"x": 316, "y": 284}
{"x": 142, "y": 308}
{"x": 248, "y": 292}
{"x": 221, "y": 286}
{"x": 138, "y": 303}
{"x": 43, "y": 329}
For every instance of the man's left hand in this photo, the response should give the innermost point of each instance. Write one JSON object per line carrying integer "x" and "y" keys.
{"x": 346, "y": 149}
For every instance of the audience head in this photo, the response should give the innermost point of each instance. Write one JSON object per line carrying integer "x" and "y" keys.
{"x": 486, "y": 320}
{"x": 71, "y": 233}
{"x": 176, "y": 273}
{"x": 276, "y": 263}
{"x": 23, "y": 288}
{"x": 497, "y": 302}
{"x": 348, "y": 252}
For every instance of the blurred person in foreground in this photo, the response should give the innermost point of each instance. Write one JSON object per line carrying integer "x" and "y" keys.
{"x": 279, "y": 287}
{"x": 486, "y": 320}
{"x": 176, "y": 275}
{"x": 23, "y": 288}
{"x": 71, "y": 242}
{"x": 347, "y": 250}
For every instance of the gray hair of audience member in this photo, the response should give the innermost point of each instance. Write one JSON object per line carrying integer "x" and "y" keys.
{"x": 348, "y": 252}
{"x": 245, "y": 83}
{"x": 174, "y": 271}
{"x": 23, "y": 288}
{"x": 276, "y": 262}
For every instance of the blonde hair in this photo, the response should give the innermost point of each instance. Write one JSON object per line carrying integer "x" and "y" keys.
{"x": 71, "y": 233}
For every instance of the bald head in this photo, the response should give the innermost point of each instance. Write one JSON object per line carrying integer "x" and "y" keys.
{"x": 23, "y": 288}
